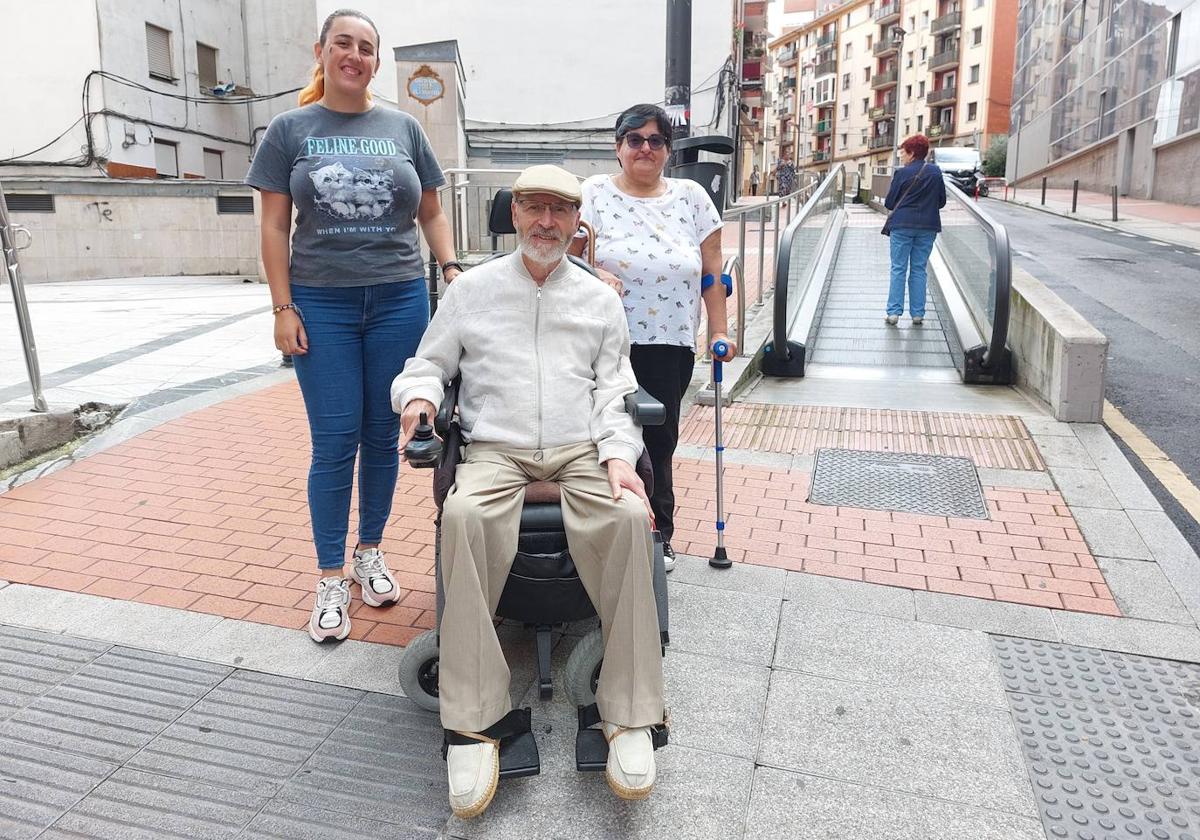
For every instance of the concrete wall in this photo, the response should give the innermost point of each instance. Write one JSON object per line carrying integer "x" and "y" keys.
{"x": 1177, "y": 171}
{"x": 136, "y": 229}
{"x": 1095, "y": 168}
{"x": 1058, "y": 355}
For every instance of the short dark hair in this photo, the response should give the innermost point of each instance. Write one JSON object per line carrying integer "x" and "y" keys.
{"x": 638, "y": 115}
{"x": 917, "y": 146}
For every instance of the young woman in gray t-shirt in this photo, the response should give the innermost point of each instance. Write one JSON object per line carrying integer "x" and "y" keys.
{"x": 350, "y": 305}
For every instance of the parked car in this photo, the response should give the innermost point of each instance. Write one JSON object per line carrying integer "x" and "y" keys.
{"x": 963, "y": 166}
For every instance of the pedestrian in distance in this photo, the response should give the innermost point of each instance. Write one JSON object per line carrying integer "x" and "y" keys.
{"x": 658, "y": 242}
{"x": 755, "y": 177}
{"x": 914, "y": 202}
{"x": 348, "y": 295}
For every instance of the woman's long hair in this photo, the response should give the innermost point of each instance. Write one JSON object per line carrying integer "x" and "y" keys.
{"x": 315, "y": 89}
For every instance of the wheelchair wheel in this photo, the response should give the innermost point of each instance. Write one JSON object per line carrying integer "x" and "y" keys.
{"x": 419, "y": 671}
{"x": 582, "y": 671}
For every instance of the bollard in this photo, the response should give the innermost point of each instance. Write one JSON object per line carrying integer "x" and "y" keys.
{"x": 1043, "y": 190}
{"x": 1114, "y": 194}
{"x": 1074, "y": 194}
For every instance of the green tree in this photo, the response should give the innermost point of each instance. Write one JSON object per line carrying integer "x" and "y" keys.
{"x": 995, "y": 157}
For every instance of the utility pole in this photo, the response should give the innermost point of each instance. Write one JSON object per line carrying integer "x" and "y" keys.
{"x": 898, "y": 34}
{"x": 679, "y": 67}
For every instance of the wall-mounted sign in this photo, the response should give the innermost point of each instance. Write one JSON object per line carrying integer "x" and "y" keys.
{"x": 425, "y": 85}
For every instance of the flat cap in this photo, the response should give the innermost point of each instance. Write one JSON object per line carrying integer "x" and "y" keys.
{"x": 547, "y": 178}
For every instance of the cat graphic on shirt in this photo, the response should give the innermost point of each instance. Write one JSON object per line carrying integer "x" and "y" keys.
{"x": 357, "y": 194}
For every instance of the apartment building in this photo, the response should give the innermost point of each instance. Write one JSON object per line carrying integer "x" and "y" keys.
{"x": 871, "y": 72}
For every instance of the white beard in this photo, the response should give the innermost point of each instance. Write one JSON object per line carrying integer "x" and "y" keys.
{"x": 542, "y": 253}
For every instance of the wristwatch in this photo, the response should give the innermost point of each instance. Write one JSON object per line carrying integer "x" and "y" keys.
{"x": 455, "y": 264}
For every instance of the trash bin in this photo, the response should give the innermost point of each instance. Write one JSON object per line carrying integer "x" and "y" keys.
{"x": 712, "y": 175}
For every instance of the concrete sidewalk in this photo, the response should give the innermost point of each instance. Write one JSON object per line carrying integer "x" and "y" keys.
{"x": 860, "y": 673}
{"x": 1174, "y": 224}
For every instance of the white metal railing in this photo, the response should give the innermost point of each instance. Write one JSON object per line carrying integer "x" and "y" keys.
{"x": 9, "y": 234}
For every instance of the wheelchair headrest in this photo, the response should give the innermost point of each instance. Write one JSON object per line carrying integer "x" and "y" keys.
{"x": 500, "y": 219}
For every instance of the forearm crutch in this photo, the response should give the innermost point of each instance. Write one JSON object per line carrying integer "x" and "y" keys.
{"x": 720, "y": 560}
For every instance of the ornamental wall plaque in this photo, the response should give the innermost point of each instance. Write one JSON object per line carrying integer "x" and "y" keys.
{"x": 425, "y": 85}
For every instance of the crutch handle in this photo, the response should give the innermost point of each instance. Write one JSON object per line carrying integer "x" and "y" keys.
{"x": 720, "y": 347}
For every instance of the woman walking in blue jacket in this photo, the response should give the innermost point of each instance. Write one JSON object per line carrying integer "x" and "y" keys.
{"x": 916, "y": 196}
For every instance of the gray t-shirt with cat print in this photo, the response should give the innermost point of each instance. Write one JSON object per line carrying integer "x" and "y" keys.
{"x": 355, "y": 181}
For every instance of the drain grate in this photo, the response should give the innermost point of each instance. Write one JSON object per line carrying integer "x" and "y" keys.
{"x": 938, "y": 485}
{"x": 1111, "y": 740}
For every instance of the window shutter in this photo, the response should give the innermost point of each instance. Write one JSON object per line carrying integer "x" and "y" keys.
{"x": 158, "y": 52}
{"x": 213, "y": 168}
{"x": 206, "y": 65}
{"x": 166, "y": 159}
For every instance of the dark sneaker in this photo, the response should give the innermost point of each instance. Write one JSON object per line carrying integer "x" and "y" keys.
{"x": 371, "y": 573}
{"x": 331, "y": 611}
{"x": 668, "y": 556}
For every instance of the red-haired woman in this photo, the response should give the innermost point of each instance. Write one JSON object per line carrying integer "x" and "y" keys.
{"x": 916, "y": 196}
{"x": 350, "y": 305}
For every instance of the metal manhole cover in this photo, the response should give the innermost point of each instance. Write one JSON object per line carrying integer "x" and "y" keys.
{"x": 938, "y": 485}
{"x": 1111, "y": 740}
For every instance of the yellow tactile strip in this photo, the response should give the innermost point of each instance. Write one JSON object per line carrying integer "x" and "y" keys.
{"x": 990, "y": 440}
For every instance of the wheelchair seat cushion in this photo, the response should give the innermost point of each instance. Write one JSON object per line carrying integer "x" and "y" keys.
{"x": 542, "y": 492}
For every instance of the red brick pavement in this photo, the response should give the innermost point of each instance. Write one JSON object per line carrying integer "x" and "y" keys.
{"x": 209, "y": 513}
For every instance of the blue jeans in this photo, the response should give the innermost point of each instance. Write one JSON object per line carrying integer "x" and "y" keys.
{"x": 910, "y": 254}
{"x": 358, "y": 341}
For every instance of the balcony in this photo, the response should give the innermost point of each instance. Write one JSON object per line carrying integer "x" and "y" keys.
{"x": 885, "y": 47}
{"x": 946, "y": 58}
{"x": 883, "y": 112}
{"x": 826, "y": 68}
{"x": 883, "y": 141}
{"x": 942, "y": 95}
{"x": 824, "y": 127}
{"x": 788, "y": 55}
{"x": 820, "y": 155}
{"x": 942, "y": 129}
{"x": 945, "y": 23}
{"x": 789, "y": 83}
{"x": 826, "y": 39}
{"x": 887, "y": 13}
{"x": 885, "y": 79}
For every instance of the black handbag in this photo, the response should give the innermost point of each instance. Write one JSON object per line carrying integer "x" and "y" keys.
{"x": 887, "y": 223}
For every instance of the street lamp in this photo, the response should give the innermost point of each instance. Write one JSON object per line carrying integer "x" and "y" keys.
{"x": 898, "y": 34}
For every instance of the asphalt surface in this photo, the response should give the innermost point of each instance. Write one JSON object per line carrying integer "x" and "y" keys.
{"x": 1145, "y": 296}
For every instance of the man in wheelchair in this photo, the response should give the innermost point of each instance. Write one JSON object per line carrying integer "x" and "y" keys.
{"x": 542, "y": 350}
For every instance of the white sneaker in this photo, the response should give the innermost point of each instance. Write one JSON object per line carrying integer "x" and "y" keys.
{"x": 630, "y": 770}
{"x": 892, "y": 320}
{"x": 371, "y": 573}
{"x": 331, "y": 611}
{"x": 473, "y": 771}
{"x": 668, "y": 556}
{"x": 917, "y": 321}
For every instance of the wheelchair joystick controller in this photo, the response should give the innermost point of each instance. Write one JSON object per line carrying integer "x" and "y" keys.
{"x": 424, "y": 449}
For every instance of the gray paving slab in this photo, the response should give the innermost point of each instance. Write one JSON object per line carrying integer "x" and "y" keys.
{"x": 1084, "y": 488}
{"x": 715, "y": 705}
{"x": 986, "y": 616}
{"x": 131, "y": 805}
{"x": 51, "y": 610}
{"x": 963, "y": 753}
{"x": 32, "y": 663}
{"x": 111, "y": 707}
{"x": 257, "y": 647}
{"x": 836, "y": 593}
{"x": 355, "y": 664}
{"x": 728, "y": 625}
{"x": 145, "y": 626}
{"x": 1143, "y": 591}
{"x": 1120, "y": 475}
{"x": 252, "y": 732}
{"x": 1048, "y": 426}
{"x": 879, "y": 651}
{"x": 1173, "y": 555}
{"x": 281, "y": 820}
{"x": 1110, "y": 533}
{"x": 1130, "y": 635}
{"x": 698, "y": 795}
{"x": 37, "y": 786}
{"x": 799, "y": 806}
{"x": 386, "y": 751}
{"x": 1062, "y": 451}
{"x": 1024, "y": 479}
{"x": 740, "y": 577}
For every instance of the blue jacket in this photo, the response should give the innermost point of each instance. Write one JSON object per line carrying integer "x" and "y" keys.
{"x": 918, "y": 210}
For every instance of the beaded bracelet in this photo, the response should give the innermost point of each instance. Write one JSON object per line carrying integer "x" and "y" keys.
{"x": 275, "y": 310}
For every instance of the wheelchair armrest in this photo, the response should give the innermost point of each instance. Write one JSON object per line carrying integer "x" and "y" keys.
{"x": 645, "y": 409}
{"x": 445, "y": 414}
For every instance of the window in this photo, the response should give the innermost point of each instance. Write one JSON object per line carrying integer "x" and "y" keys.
{"x": 920, "y": 122}
{"x": 977, "y": 36}
{"x": 1173, "y": 47}
{"x": 863, "y": 138}
{"x": 866, "y": 74}
{"x": 921, "y": 90}
{"x": 907, "y": 126}
{"x": 866, "y": 104}
{"x": 845, "y": 112}
{"x": 972, "y": 110}
{"x": 870, "y": 41}
{"x": 978, "y": 4}
{"x": 845, "y": 142}
{"x": 849, "y": 50}
{"x": 912, "y": 23}
{"x": 924, "y": 50}
{"x": 206, "y": 66}
{"x": 214, "y": 168}
{"x": 166, "y": 159}
{"x": 910, "y": 59}
{"x": 845, "y": 81}
{"x": 925, "y": 20}
{"x": 974, "y": 77}
{"x": 908, "y": 93}
{"x": 158, "y": 53}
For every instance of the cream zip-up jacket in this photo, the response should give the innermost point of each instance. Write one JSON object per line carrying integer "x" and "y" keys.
{"x": 541, "y": 366}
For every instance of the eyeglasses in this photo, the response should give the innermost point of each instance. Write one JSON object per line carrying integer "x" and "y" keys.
{"x": 656, "y": 141}
{"x": 538, "y": 208}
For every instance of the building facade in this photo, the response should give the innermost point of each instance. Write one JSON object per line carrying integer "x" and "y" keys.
{"x": 1108, "y": 93}
{"x": 870, "y": 72}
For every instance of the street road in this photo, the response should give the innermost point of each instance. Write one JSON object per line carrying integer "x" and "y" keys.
{"x": 1145, "y": 297}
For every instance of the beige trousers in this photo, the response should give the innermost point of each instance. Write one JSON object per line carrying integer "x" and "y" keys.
{"x": 611, "y": 545}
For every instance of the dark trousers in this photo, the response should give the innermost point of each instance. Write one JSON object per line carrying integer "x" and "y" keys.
{"x": 664, "y": 371}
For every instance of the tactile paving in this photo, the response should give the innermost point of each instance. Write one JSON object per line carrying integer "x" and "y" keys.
{"x": 1111, "y": 740}
{"x": 933, "y": 484}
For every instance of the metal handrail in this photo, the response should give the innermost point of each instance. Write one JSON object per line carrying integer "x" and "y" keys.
{"x": 733, "y": 267}
{"x": 783, "y": 260}
{"x": 1003, "y": 286}
{"x": 8, "y": 252}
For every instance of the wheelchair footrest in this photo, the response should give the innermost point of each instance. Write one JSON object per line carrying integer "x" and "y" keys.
{"x": 591, "y": 750}
{"x": 518, "y": 747}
